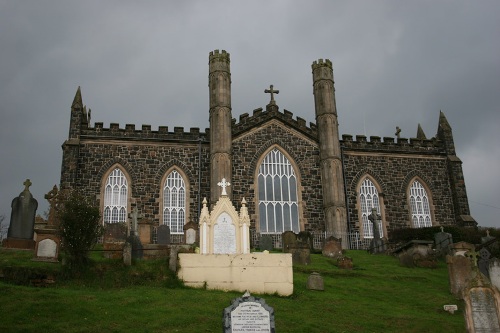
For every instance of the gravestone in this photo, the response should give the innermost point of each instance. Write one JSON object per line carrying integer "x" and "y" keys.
{"x": 163, "y": 235}
{"x": 301, "y": 254}
{"x": 459, "y": 273}
{"x": 482, "y": 314}
{"x": 495, "y": 272}
{"x": 289, "y": 239}
{"x": 224, "y": 235}
{"x": 461, "y": 248}
{"x": 266, "y": 243}
{"x": 306, "y": 238}
{"x": 127, "y": 254}
{"x": 315, "y": 282}
{"x": 22, "y": 220}
{"x": 483, "y": 262}
{"x": 332, "y": 248}
{"x": 248, "y": 314}
{"x": 137, "y": 249}
{"x": 190, "y": 230}
{"x": 47, "y": 248}
{"x": 442, "y": 241}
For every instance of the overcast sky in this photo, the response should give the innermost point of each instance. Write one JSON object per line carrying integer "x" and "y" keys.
{"x": 396, "y": 63}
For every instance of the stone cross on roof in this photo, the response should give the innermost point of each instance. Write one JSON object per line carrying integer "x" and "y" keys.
{"x": 27, "y": 184}
{"x": 224, "y": 184}
{"x": 272, "y": 92}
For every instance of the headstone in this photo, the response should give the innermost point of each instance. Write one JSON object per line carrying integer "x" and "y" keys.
{"x": 133, "y": 217}
{"x": 127, "y": 254}
{"x": 289, "y": 239}
{"x": 137, "y": 250}
{"x": 459, "y": 273}
{"x": 115, "y": 233}
{"x": 495, "y": 272}
{"x": 306, "y": 238}
{"x": 55, "y": 199}
{"x": 344, "y": 262}
{"x": 190, "y": 229}
{"x": 266, "y": 243}
{"x": 248, "y": 314}
{"x": 483, "y": 262}
{"x": 22, "y": 218}
{"x": 486, "y": 238}
{"x": 301, "y": 254}
{"x": 163, "y": 235}
{"x": 461, "y": 248}
{"x": 442, "y": 241}
{"x": 332, "y": 247}
{"x": 451, "y": 308}
{"x": 47, "y": 248}
{"x": 482, "y": 313}
{"x": 315, "y": 282}
{"x": 224, "y": 235}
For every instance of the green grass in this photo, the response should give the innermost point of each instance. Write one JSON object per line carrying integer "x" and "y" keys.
{"x": 378, "y": 295}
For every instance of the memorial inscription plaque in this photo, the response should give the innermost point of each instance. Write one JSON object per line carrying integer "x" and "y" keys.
{"x": 484, "y": 311}
{"x": 248, "y": 314}
{"x": 224, "y": 235}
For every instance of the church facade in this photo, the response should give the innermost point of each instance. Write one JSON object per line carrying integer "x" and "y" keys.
{"x": 293, "y": 176}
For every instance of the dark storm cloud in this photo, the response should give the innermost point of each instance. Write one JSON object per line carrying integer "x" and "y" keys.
{"x": 395, "y": 64}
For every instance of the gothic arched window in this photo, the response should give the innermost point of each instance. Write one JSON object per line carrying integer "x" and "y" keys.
{"x": 368, "y": 199}
{"x": 115, "y": 197}
{"x": 277, "y": 194}
{"x": 419, "y": 206}
{"x": 174, "y": 202}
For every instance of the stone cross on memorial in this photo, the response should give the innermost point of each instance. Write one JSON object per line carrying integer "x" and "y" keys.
{"x": 224, "y": 184}
{"x": 272, "y": 92}
{"x": 374, "y": 217}
{"x": 134, "y": 216}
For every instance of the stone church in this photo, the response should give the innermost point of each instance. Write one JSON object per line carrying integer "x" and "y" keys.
{"x": 293, "y": 175}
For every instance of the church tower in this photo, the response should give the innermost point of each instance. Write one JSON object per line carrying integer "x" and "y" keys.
{"x": 219, "y": 83}
{"x": 329, "y": 149}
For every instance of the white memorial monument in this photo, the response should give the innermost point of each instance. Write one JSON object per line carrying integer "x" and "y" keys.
{"x": 225, "y": 261}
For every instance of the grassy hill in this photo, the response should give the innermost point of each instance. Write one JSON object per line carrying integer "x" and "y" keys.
{"x": 378, "y": 295}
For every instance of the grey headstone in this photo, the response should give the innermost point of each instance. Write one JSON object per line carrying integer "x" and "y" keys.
{"x": 127, "y": 254}
{"x": 377, "y": 245}
{"x": 443, "y": 240}
{"x": 163, "y": 234}
{"x": 459, "y": 273}
{"x": 481, "y": 310}
{"x": 190, "y": 236}
{"x": 494, "y": 270}
{"x": 248, "y": 314}
{"x": 306, "y": 238}
{"x": 22, "y": 218}
{"x": 266, "y": 243}
{"x": 315, "y": 282}
{"x": 301, "y": 254}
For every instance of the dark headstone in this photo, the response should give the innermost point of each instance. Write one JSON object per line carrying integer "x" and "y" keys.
{"x": 22, "y": 218}
{"x": 115, "y": 233}
{"x": 306, "y": 238}
{"x": 377, "y": 245}
{"x": 301, "y": 254}
{"x": 135, "y": 242}
{"x": 127, "y": 254}
{"x": 332, "y": 247}
{"x": 344, "y": 262}
{"x": 266, "y": 243}
{"x": 443, "y": 240}
{"x": 289, "y": 239}
{"x": 248, "y": 314}
{"x": 163, "y": 235}
{"x": 315, "y": 282}
{"x": 483, "y": 263}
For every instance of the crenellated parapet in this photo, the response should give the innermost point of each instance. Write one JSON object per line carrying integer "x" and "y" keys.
{"x": 260, "y": 116}
{"x": 390, "y": 144}
{"x": 129, "y": 132}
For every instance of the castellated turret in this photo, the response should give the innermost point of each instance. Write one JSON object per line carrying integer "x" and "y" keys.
{"x": 329, "y": 148}
{"x": 219, "y": 83}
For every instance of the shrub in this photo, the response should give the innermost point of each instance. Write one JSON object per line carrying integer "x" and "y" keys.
{"x": 79, "y": 228}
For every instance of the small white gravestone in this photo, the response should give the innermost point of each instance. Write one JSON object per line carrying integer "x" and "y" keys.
{"x": 190, "y": 236}
{"x": 249, "y": 314}
{"x": 47, "y": 248}
{"x": 451, "y": 308}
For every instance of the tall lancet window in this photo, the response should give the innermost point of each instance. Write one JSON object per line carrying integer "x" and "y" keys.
{"x": 419, "y": 205}
{"x": 277, "y": 186}
{"x": 174, "y": 202}
{"x": 115, "y": 197}
{"x": 368, "y": 199}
